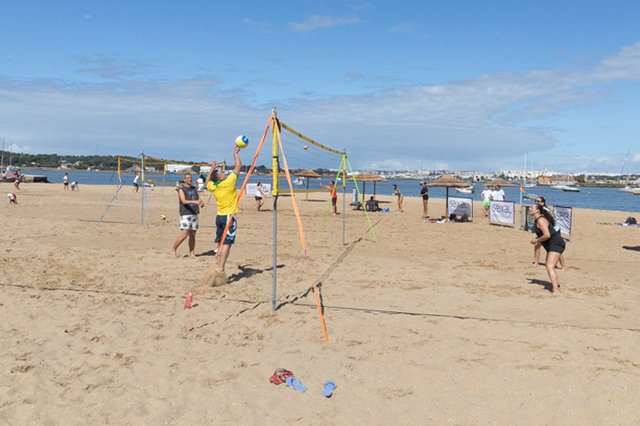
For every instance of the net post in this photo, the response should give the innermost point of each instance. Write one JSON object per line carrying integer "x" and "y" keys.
{"x": 144, "y": 194}
{"x": 275, "y": 168}
{"x": 344, "y": 196}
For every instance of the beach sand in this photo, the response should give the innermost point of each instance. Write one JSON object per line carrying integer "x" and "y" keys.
{"x": 427, "y": 323}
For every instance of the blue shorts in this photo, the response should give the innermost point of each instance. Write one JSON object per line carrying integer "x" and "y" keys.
{"x": 221, "y": 223}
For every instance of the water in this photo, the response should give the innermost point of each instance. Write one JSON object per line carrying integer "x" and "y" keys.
{"x": 589, "y": 198}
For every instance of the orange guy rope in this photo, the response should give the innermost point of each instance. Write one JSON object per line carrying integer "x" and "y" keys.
{"x": 293, "y": 199}
{"x": 318, "y": 305}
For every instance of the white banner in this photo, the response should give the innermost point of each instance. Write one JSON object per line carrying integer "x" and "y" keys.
{"x": 502, "y": 213}
{"x": 252, "y": 189}
{"x": 460, "y": 206}
{"x": 563, "y": 216}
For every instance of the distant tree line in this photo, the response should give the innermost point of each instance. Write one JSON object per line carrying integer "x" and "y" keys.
{"x": 78, "y": 162}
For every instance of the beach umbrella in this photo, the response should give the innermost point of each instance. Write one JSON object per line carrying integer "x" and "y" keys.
{"x": 448, "y": 181}
{"x": 308, "y": 173}
{"x": 369, "y": 177}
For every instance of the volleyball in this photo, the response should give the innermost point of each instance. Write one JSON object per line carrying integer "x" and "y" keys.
{"x": 306, "y": 147}
{"x": 242, "y": 141}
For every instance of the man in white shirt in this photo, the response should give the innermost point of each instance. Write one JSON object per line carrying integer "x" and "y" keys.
{"x": 497, "y": 194}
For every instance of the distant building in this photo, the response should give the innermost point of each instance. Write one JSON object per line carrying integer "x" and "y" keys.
{"x": 544, "y": 180}
{"x": 176, "y": 168}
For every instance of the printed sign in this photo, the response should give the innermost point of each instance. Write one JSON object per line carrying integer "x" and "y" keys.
{"x": 502, "y": 213}
{"x": 460, "y": 206}
{"x": 563, "y": 216}
{"x": 252, "y": 189}
{"x": 526, "y": 219}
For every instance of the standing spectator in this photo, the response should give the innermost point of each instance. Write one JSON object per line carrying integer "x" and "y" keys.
{"x": 398, "y": 194}
{"x": 334, "y": 197}
{"x": 259, "y": 195}
{"x": 189, "y": 209}
{"x": 497, "y": 194}
{"x": 424, "y": 192}
{"x": 65, "y": 181}
{"x": 136, "y": 182}
{"x": 486, "y": 200}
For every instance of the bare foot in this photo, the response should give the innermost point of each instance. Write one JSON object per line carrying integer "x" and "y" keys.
{"x": 217, "y": 279}
{"x": 174, "y": 254}
{"x": 192, "y": 255}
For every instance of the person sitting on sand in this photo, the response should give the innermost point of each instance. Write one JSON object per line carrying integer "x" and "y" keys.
{"x": 398, "y": 194}
{"x": 189, "y": 208}
{"x": 550, "y": 239}
{"x": 536, "y": 248}
{"x": 372, "y": 205}
{"x": 13, "y": 198}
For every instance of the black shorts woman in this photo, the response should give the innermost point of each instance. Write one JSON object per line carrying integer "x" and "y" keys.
{"x": 536, "y": 248}
{"x": 550, "y": 239}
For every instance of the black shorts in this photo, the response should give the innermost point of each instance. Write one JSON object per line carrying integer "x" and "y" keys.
{"x": 258, "y": 198}
{"x": 334, "y": 201}
{"x": 221, "y": 223}
{"x": 555, "y": 244}
{"x": 425, "y": 197}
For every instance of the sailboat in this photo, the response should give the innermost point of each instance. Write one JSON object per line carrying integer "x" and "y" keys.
{"x": 524, "y": 179}
{"x": 468, "y": 190}
{"x": 627, "y": 188}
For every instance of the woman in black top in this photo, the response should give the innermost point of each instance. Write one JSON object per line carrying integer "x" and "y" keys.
{"x": 540, "y": 201}
{"x": 550, "y": 239}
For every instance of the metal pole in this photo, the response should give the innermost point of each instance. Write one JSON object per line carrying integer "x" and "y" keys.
{"x": 274, "y": 282}
{"x": 275, "y": 169}
{"x": 344, "y": 199}
{"x": 143, "y": 188}
{"x": 2, "y": 160}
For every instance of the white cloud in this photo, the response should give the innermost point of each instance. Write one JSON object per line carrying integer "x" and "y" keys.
{"x": 480, "y": 124}
{"x": 316, "y": 22}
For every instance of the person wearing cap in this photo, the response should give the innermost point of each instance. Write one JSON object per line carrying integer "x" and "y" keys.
{"x": 424, "y": 192}
{"x": 223, "y": 188}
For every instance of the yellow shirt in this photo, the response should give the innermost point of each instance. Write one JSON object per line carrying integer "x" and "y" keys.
{"x": 226, "y": 194}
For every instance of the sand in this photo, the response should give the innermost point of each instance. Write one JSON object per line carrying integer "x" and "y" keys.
{"x": 430, "y": 324}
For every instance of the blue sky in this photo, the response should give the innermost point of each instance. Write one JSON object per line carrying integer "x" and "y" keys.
{"x": 401, "y": 85}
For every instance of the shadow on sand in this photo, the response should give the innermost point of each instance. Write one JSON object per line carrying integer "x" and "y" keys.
{"x": 247, "y": 271}
{"x": 546, "y": 284}
{"x": 632, "y": 248}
